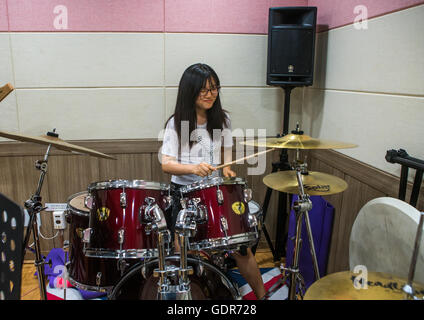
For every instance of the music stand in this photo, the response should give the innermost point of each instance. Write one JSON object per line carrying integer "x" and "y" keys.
{"x": 11, "y": 228}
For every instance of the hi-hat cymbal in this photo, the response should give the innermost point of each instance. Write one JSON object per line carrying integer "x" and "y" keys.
{"x": 54, "y": 141}
{"x": 298, "y": 141}
{"x": 347, "y": 285}
{"x": 314, "y": 183}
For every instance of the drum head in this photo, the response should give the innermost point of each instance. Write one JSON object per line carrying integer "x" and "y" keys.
{"x": 207, "y": 282}
{"x": 211, "y": 182}
{"x": 76, "y": 203}
{"x": 383, "y": 238}
{"x": 133, "y": 184}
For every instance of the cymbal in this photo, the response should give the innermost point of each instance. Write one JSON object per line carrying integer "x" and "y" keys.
{"x": 298, "y": 141}
{"x": 347, "y": 285}
{"x": 54, "y": 141}
{"x": 314, "y": 183}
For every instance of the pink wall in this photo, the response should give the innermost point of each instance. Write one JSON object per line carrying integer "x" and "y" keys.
{"x": 88, "y": 15}
{"x": 336, "y": 13}
{"x": 208, "y": 16}
{"x": 221, "y": 16}
{"x": 214, "y": 16}
{"x": 3, "y": 16}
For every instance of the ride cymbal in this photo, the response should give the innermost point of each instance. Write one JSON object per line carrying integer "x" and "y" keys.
{"x": 298, "y": 141}
{"x": 56, "y": 142}
{"x": 347, "y": 285}
{"x": 314, "y": 183}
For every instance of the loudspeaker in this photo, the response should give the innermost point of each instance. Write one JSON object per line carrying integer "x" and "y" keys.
{"x": 291, "y": 46}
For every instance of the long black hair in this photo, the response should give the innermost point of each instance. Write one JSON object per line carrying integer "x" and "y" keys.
{"x": 193, "y": 79}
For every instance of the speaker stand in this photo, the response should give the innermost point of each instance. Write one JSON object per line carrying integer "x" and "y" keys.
{"x": 282, "y": 165}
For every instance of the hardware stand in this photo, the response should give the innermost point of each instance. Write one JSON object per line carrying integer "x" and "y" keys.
{"x": 34, "y": 207}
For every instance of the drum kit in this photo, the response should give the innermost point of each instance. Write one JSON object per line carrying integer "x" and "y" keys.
{"x": 119, "y": 241}
{"x": 119, "y": 237}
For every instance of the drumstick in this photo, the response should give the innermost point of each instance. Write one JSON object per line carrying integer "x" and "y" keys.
{"x": 245, "y": 158}
{"x": 5, "y": 90}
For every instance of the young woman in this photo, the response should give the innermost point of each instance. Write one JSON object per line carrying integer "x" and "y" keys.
{"x": 204, "y": 130}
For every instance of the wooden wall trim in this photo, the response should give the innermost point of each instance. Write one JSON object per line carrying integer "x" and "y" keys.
{"x": 132, "y": 146}
{"x": 369, "y": 175}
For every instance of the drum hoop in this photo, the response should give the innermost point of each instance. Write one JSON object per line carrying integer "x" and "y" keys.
{"x": 136, "y": 268}
{"x": 86, "y": 287}
{"x": 132, "y": 184}
{"x": 215, "y": 243}
{"x": 207, "y": 183}
{"x": 75, "y": 210}
{"x": 121, "y": 254}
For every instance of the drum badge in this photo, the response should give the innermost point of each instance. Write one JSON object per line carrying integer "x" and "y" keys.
{"x": 103, "y": 213}
{"x": 238, "y": 207}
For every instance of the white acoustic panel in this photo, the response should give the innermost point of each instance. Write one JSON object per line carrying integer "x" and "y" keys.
{"x": 9, "y": 115}
{"x": 6, "y": 69}
{"x": 239, "y": 60}
{"x": 375, "y": 122}
{"x": 88, "y": 59}
{"x": 387, "y": 57}
{"x": 83, "y": 114}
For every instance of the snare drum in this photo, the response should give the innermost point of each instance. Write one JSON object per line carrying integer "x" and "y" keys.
{"x": 224, "y": 220}
{"x": 93, "y": 274}
{"x": 119, "y": 225}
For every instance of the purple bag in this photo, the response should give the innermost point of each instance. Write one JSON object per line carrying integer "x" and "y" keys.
{"x": 321, "y": 219}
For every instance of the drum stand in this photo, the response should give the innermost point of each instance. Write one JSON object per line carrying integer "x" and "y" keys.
{"x": 301, "y": 208}
{"x": 185, "y": 227}
{"x": 34, "y": 206}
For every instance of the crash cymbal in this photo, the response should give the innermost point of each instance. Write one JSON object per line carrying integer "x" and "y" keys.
{"x": 314, "y": 183}
{"x": 347, "y": 285}
{"x": 54, "y": 141}
{"x": 298, "y": 141}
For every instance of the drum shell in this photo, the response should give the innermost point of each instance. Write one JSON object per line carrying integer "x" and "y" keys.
{"x": 237, "y": 223}
{"x": 104, "y": 234}
{"x": 83, "y": 270}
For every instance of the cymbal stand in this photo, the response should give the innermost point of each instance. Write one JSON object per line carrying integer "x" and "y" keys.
{"x": 34, "y": 206}
{"x": 301, "y": 208}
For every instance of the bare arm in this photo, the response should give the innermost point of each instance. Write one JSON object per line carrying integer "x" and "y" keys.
{"x": 170, "y": 165}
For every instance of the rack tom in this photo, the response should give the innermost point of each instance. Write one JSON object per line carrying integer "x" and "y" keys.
{"x": 223, "y": 217}
{"x": 119, "y": 226}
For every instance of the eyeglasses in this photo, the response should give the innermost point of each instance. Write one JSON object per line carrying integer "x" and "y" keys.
{"x": 214, "y": 91}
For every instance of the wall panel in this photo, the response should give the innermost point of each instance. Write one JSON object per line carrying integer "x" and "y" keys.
{"x": 87, "y": 59}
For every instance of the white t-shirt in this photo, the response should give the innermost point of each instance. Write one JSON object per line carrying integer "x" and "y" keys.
{"x": 204, "y": 149}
